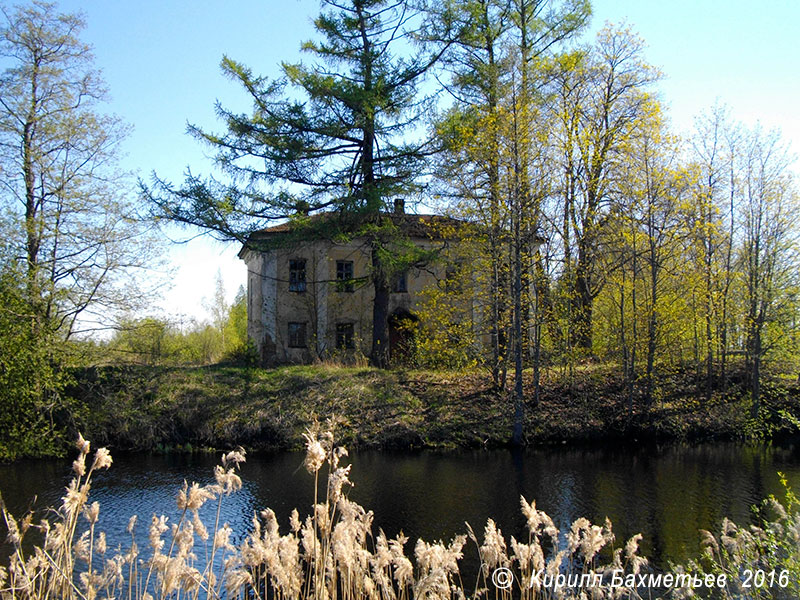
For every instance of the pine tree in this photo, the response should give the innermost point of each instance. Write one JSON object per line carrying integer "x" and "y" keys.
{"x": 331, "y": 136}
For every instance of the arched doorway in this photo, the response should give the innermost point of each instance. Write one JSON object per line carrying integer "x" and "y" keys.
{"x": 402, "y": 325}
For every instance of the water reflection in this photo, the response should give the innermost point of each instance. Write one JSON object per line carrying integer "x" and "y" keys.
{"x": 666, "y": 493}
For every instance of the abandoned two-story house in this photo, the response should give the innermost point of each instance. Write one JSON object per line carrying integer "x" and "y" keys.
{"x": 310, "y": 299}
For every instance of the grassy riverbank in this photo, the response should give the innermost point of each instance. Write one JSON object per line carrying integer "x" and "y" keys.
{"x": 221, "y": 407}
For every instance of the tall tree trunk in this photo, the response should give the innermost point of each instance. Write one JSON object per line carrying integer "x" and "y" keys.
{"x": 542, "y": 311}
{"x": 380, "y": 314}
{"x": 652, "y": 333}
{"x": 582, "y": 294}
{"x": 516, "y": 216}
{"x": 583, "y": 307}
{"x": 709, "y": 306}
{"x": 496, "y": 315}
{"x": 519, "y": 400}
{"x": 379, "y": 355}
{"x": 623, "y": 342}
{"x": 652, "y": 321}
{"x": 755, "y": 370}
{"x": 728, "y": 278}
{"x": 32, "y": 236}
{"x": 634, "y": 312}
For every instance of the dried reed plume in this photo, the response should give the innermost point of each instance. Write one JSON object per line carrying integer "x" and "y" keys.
{"x": 333, "y": 553}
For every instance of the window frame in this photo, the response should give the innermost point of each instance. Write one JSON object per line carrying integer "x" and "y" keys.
{"x": 345, "y": 336}
{"x": 297, "y": 267}
{"x": 292, "y": 341}
{"x": 345, "y": 284}
{"x": 400, "y": 283}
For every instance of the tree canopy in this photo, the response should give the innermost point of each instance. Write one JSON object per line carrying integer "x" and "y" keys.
{"x": 71, "y": 237}
{"x": 340, "y": 134}
{"x": 68, "y": 217}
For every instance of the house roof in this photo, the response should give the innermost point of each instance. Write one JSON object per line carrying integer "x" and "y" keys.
{"x": 415, "y": 226}
{"x": 418, "y": 226}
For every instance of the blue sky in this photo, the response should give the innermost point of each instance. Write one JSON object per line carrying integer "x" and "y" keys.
{"x": 160, "y": 60}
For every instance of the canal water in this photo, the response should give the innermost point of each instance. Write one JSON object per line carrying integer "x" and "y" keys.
{"x": 667, "y": 493}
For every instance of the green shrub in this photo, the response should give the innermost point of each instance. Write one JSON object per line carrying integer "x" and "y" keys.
{"x": 31, "y": 378}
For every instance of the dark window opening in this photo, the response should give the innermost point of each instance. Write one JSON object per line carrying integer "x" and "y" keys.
{"x": 400, "y": 285}
{"x": 297, "y": 335}
{"x": 402, "y": 326}
{"x": 344, "y": 336}
{"x": 344, "y": 275}
{"x": 297, "y": 275}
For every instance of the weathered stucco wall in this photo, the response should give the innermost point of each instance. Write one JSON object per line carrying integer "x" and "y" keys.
{"x": 323, "y": 305}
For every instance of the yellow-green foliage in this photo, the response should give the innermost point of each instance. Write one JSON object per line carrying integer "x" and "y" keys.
{"x": 153, "y": 341}
{"x": 236, "y": 325}
{"x": 448, "y": 334}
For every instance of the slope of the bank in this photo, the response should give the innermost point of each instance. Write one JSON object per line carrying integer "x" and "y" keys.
{"x": 220, "y": 407}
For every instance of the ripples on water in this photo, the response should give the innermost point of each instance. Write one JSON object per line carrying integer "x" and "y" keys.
{"x": 667, "y": 493}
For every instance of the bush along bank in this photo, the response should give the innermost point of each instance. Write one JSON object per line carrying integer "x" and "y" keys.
{"x": 152, "y": 409}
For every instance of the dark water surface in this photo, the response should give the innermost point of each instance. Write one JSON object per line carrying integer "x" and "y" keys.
{"x": 667, "y": 493}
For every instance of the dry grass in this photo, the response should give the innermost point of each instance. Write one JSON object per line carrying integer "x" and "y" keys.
{"x": 267, "y": 409}
{"x": 335, "y": 554}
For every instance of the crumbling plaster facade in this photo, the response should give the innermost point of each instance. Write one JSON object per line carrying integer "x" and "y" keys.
{"x": 325, "y": 306}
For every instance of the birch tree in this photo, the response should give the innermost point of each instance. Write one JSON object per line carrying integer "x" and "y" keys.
{"x": 493, "y": 136}
{"x": 608, "y": 88}
{"x": 769, "y": 245}
{"x": 72, "y": 224}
